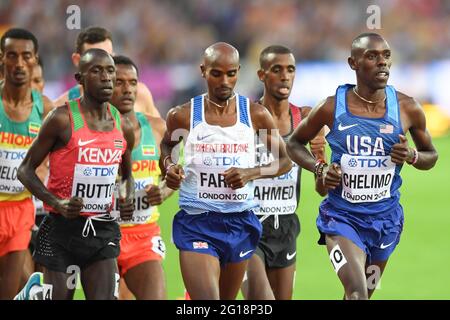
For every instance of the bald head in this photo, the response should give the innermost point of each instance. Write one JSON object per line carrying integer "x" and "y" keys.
{"x": 219, "y": 51}
{"x": 97, "y": 74}
{"x": 365, "y": 41}
{"x": 220, "y": 69}
{"x": 91, "y": 56}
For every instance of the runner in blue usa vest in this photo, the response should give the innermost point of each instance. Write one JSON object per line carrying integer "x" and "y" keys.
{"x": 361, "y": 219}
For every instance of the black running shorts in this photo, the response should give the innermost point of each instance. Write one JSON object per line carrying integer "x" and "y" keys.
{"x": 278, "y": 247}
{"x": 61, "y": 243}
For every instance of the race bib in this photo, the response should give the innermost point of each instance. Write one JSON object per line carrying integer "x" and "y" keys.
{"x": 366, "y": 178}
{"x": 277, "y": 195}
{"x": 143, "y": 211}
{"x": 211, "y": 186}
{"x": 95, "y": 184}
{"x": 10, "y": 160}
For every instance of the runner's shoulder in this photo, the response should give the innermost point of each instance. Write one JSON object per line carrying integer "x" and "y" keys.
{"x": 179, "y": 116}
{"x": 59, "y": 117}
{"x": 157, "y": 123}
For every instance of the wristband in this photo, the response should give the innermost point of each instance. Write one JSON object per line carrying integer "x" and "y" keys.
{"x": 170, "y": 165}
{"x": 318, "y": 168}
{"x": 165, "y": 159}
{"x": 415, "y": 157}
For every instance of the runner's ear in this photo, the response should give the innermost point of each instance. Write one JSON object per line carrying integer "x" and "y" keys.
{"x": 351, "y": 63}
{"x": 203, "y": 70}
{"x": 261, "y": 75}
{"x": 78, "y": 77}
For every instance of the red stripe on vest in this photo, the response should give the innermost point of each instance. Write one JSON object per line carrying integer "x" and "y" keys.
{"x": 296, "y": 115}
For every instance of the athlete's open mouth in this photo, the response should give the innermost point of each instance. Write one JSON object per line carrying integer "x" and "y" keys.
{"x": 383, "y": 73}
{"x": 19, "y": 74}
{"x": 284, "y": 89}
{"x": 127, "y": 100}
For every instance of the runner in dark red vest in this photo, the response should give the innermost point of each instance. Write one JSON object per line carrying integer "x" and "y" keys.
{"x": 271, "y": 270}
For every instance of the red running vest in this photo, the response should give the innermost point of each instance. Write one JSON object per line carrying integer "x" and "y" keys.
{"x": 87, "y": 166}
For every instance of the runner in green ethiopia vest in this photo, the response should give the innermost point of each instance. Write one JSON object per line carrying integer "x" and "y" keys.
{"x": 21, "y": 113}
{"x": 142, "y": 248}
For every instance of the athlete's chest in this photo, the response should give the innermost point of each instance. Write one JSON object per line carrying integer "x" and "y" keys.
{"x": 283, "y": 124}
{"x": 18, "y": 113}
{"x": 223, "y": 120}
{"x": 366, "y": 110}
{"x": 104, "y": 125}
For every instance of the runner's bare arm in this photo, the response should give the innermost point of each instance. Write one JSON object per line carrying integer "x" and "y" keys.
{"x": 309, "y": 128}
{"x": 158, "y": 193}
{"x": 42, "y": 170}
{"x": 317, "y": 148}
{"x": 126, "y": 183}
{"x": 48, "y": 106}
{"x": 144, "y": 101}
{"x": 177, "y": 122}
{"x": 414, "y": 121}
{"x": 318, "y": 143}
{"x": 54, "y": 133}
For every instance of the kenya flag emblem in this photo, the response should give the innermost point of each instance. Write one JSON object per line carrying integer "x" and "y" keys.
{"x": 118, "y": 143}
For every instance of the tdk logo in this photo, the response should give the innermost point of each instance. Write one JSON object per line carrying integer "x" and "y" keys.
{"x": 287, "y": 176}
{"x": 12, "y": 155}
{"x": 139, "y": 185}
{"x": 207, "y": 161}
{"x": 87, "y": 172}
{"x": 99, "y": 171}
{"x": 226, "y": 161}
{"x": 221, "y": 161}
{"x": 352, "y": 163}
{"x": 368, "y": 163}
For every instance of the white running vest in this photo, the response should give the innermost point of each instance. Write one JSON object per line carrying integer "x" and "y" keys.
{"x": 209, "y": 151}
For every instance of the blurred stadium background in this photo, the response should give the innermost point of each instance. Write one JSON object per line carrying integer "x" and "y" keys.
{"x": 167, "y": 38}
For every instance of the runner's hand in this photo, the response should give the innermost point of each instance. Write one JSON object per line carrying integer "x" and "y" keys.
{"x": 174, "y": 176}
{"x": 236, "y": 178}
{"x": 400, "y": 152}
{"x": 126, "y": 200}
{"x": 154, "y": 194}
{"x": 70, "y": 208}
{"x": 332, "y": 176}
{"x": 317, "y": 146}
{"x": 126, "y": 208}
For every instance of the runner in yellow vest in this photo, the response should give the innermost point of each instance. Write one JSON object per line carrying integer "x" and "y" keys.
{"x": 141, "y": 247}
{"x": 21, "y": 113}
